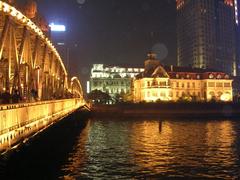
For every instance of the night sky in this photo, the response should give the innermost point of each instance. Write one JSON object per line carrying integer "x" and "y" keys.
{"x": 114, "y": 31}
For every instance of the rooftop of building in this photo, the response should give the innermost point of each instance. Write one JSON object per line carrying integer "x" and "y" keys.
{"x": 154, "y": 69}
{"x": 176, "y": 72}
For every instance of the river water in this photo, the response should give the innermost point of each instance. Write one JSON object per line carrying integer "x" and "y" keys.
{"x": 131, "y": 149}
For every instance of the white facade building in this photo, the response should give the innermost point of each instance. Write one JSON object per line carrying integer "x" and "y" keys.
{"x": 112, "y": 79}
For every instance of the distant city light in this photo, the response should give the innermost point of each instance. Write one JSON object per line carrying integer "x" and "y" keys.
{"x": 236, "y": 11}
{"x": 88, "y": 87}
{"x": 61, "y": 44}
{"x": 57, "y": 27}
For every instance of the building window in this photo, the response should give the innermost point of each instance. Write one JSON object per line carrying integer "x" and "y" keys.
{"x": 154, "y": 82}
{"x": 218, "y": 84}
{"x": 226, "y": 76}
{"x": 211, "y": 84}
{"x": 163, "y": 83}
{"x": 188, "y": 85}
{"x": 212, "y": 94}
{"x": 154, "y": 94}
{"x": 211, "y": 76}
{"x": 148, "y": 83}
{"x": 219, "y": 76}
{"x": 205, "y": 95}
{"x": 148, "y": 94}
{"x": 163, "y": 94}
{"x": 177, "y": 84}
{"x": 193, "y": 84}
{"x": 182, "y": 85}
{"x": 177, "y": 94}
{"x": 227, "y": 84}
{"x": 183, "y": 94}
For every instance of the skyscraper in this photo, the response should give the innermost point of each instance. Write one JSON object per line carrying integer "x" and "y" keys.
{"x": 206, "y": 34}
{"x": 237, "y": 22}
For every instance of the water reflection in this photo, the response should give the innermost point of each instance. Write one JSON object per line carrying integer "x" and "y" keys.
{"x": 153, "y": 148}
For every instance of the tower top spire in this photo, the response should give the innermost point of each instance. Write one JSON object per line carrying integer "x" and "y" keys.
{"x": 152, "y": 56}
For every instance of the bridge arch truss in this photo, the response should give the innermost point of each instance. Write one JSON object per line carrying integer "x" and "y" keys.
{"x": 29, "y": 62}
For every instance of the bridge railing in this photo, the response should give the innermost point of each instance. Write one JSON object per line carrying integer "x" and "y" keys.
{"x": 21, "y": 105}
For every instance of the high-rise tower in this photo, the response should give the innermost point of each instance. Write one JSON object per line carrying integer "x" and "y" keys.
{"x": 206, "y": 34}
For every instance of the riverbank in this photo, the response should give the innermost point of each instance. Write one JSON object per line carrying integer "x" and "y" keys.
{"x": 169, "y": 110}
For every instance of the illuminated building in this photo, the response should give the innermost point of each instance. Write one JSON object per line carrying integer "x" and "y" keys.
{"x": 112, "y": 79}
{"x": 169, "y": 83}
{"x": 59, "y": 38}
{"x": 206, "y": 34}
{"x": 237, "y": 20}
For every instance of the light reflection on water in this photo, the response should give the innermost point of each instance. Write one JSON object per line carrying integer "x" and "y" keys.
{"x": 126, "y": 149}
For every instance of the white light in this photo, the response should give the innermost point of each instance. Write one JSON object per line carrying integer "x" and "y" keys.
{"x": 57, "y": 27}
{"x": 88, "y": 87}
{"x": 61, "y": 44}
{"x": 225, "y": 97}
{"x": 236, "y": 11}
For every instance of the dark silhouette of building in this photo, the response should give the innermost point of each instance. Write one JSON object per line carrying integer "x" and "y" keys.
{"x": 206, "y": 34}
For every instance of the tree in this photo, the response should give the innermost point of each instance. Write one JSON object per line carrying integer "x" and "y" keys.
{"x": 98, "y": 96}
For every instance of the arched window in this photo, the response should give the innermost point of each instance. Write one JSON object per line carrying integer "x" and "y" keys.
{"x": 219, "y": 76}
{"x": 211, "y": 76}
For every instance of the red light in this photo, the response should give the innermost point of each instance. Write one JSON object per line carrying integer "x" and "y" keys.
{"x": 180, "y": 3}
{"x": 229, "y": 2}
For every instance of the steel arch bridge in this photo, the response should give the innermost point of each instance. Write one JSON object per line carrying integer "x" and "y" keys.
{"x": 29, "y": 62}
{"x": 31, "y": 66}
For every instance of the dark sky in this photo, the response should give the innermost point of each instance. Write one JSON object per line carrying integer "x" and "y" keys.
{"x": 114, "y": 31}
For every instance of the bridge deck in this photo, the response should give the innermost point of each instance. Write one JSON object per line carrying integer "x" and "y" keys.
{"x": 19, "y": 121}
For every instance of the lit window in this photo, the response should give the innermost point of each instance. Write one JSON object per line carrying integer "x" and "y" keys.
{"x": 148, "y": 94}
{"x": 227, "y": 84}
{"x": 193, "y": 84}
{"x": 154, "y": 94}
{"x": 211, "y": 76}
{"x": 163, "y": 94}
{"x": 218, "y": 84}
{"x": 219, "y": 76}
{"x": 226, "y": 76}
{"x": 211, "y": 84}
